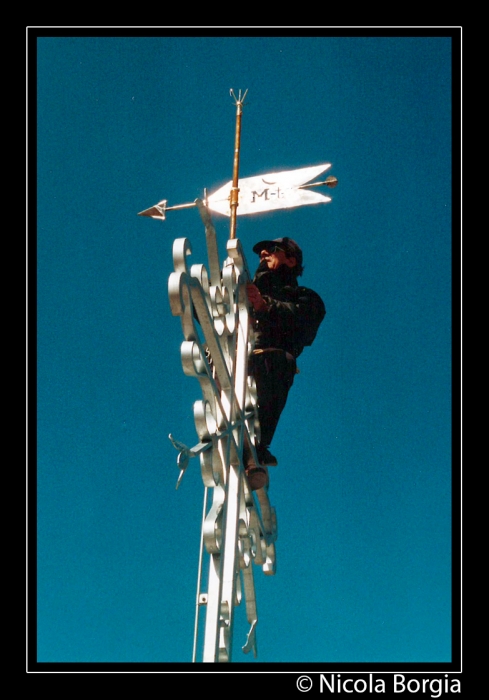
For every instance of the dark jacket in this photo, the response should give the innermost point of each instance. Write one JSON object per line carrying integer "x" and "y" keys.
{"x": 293, "y": 313}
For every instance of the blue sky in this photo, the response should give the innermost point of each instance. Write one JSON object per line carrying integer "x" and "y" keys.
{"x": 364, "y": 486}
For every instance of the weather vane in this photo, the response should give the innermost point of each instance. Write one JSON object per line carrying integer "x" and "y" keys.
{"x": 239, "y": 525}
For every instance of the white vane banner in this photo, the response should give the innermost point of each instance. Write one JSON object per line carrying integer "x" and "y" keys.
{"x": 270, "y": 192}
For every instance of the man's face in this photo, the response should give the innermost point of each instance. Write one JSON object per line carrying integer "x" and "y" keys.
{"x": 275, "y": 257}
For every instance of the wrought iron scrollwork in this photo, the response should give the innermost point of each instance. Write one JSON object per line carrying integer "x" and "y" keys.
{"x": 240, "y": 526}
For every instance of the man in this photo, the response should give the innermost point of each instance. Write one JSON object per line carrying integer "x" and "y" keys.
{"x": 286, "y": 318}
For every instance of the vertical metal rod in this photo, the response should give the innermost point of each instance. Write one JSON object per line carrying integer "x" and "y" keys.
{"x": 211, "y": 241}
{"x": 237, "y": 141}
{"x": 213, "y": 611}
{"x": 199, "y": 578}
{"x": 222, "y": 568}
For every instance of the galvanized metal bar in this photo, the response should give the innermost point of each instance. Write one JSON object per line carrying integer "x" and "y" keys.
{"x": 230, "y": 567}
{"x": 213, "y": 612}
{"x": 211, "y": 241}
{"x": 213, "y": 537}
{"x": 199, "y": 601}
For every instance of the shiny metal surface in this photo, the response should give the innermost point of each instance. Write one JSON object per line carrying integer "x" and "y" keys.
{"x": 239, "y": 527}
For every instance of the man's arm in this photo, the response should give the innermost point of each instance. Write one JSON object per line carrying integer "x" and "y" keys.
{"x": 296, "y": 321}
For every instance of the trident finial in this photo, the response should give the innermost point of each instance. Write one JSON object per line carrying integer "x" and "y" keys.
{"x": 238, "y": 100}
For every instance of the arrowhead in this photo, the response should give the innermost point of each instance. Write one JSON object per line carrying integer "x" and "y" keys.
{"x": 156, "y": 212}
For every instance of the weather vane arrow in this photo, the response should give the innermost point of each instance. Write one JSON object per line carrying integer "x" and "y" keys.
{"x": 261, "y": 193}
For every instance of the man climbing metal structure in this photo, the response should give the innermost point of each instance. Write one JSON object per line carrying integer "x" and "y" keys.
{"x": 239, "y": 525}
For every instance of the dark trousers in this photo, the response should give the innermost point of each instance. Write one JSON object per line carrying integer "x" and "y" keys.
{"x": 274, "y": 372}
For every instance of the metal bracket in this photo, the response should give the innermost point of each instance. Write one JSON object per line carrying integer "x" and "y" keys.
{"x": 186, "y": 453}
{"x": 251, "y": 640}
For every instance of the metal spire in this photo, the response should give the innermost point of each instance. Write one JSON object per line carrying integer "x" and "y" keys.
{"x": 239, "y": 527}
{"x": 239, "y": 101}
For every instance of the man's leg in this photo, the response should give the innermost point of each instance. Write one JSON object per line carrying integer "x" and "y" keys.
{"x": 274, "y": 374}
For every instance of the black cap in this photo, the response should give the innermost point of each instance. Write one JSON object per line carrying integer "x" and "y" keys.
{"x": 290, "y": 247}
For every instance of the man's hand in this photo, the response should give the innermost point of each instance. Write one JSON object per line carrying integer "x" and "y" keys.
{"x": 255, "y": 298}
